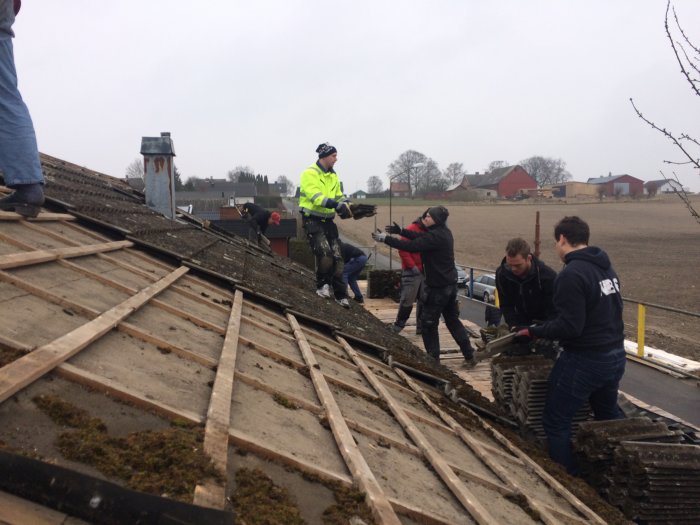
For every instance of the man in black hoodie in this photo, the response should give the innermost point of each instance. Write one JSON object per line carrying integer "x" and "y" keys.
{"x": 525, "y": 286}
{"x": 439, "y": 293}
{"x": 589, "y": 328}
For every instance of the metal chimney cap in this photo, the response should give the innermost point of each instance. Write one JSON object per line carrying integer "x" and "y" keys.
{"x": 162, "y": 145}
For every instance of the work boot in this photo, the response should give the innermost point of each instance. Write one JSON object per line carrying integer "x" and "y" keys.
{"x": 402, "y": 316}
{"x": 26, "y": 200}
{"x": 324, "y": 291}
{"x": 469, "y": 362}
{"x": 343, "y": 302}
{"x": 395, "y": 328}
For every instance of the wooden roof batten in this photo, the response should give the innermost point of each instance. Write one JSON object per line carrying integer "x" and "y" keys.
{"x": 220, "y": 423}
{"x": 23, "y": 371}
{"x": 376, "y": 499}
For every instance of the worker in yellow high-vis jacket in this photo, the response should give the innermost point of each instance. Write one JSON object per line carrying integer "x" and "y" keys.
{"x": 320, "y": 198}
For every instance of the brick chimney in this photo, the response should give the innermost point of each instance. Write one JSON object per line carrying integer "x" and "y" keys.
{"x": 159, "y": 173}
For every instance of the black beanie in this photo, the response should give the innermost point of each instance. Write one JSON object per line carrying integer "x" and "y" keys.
{"x": 439, "y": 214}
{"x": 325, "y": 149}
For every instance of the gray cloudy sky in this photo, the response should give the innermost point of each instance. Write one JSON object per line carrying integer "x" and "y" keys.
{"x": 263, "y": 83}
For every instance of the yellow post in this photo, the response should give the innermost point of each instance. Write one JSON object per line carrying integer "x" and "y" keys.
{"x": 641, "y": 314}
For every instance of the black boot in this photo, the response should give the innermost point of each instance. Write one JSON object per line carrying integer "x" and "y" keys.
{"x": 401, "y": 317}
{"x": 26, "y": 200}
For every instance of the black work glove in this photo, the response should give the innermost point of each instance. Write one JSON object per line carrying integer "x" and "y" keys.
{"x": 343, "y": 210}
{"x": 360, "y": 211}
{"x": 394, "y": 228}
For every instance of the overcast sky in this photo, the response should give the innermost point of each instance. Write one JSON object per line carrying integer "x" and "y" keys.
{"x": 262, "y": 83}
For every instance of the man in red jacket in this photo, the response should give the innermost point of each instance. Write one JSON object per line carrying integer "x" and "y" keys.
{"x": 411, "y": 281}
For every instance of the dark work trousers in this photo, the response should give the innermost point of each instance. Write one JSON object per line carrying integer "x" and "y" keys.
{"x": 410, "y": 292}
{"x": 351, "y": 271}
{"x": 442, "y": 301}
{"x": 253, "y": 231}
{"x": 323, "y": 239}
{"x": 578, "y": 377}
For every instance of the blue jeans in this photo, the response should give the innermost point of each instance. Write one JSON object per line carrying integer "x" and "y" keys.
{"x": 578, "y": 377}
{"x": 19, "y": 155}
{"x": 351, "y": 271}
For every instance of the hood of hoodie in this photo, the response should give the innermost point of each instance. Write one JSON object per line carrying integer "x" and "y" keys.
{"x": 591, "y": 254}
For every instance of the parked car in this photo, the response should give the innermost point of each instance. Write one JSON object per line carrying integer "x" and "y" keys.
{"x": 485, "y": 287}
{"x": 462, "y": 277}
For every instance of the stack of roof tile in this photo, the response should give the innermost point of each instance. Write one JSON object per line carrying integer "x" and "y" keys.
{"x": 656, "y": 483}
{"x": 529, "y": 396}
{"x": 596, "y": 442}
{"x": 503, "y": 371}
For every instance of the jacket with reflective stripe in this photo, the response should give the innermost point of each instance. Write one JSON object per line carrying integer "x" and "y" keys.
{"x": 316, "y": 188}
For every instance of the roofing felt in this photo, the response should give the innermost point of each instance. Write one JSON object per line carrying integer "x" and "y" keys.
{"x": 186, "y": 324}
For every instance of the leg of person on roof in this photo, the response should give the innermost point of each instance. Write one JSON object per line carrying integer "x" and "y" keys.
{"x": 19, "y": 154}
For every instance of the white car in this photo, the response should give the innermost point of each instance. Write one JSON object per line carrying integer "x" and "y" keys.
{"x": 485, "y": 287}
{"x": 462, "y": 277}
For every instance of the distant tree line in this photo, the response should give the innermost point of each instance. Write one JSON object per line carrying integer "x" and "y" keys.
{"x": 423, "y": 175}
{"x": 238, "y": 174}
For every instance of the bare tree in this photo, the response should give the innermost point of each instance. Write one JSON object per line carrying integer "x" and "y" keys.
{"x": 496, "y": 164}
{"x": 546, "y": 170}
{"x": 431, "y": 178}
{"x": 404, "y": 168}
{"x": 600, "y": 190}
{"x": 690, "y": 68}
{"x": 235, "y": 174}
{"x": 454, "y": 173}
{"x": 374, "y": 184}
{"x": 135, "y": 169}
{"x": 288, "y": 184}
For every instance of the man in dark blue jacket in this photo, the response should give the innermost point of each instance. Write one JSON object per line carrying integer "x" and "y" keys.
{"x": 439, "y": 293}
{"x": 589, "y": 327}
{"x": 525, "y": 286}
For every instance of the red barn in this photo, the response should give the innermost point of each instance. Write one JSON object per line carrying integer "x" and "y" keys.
{"x": 616, "y": 185}
{"x": 505, "y": 182}
{"x": 400, "y": 189}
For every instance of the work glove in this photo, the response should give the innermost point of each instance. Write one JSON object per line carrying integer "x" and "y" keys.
{"x": 379, "y": 236}
{"x": 415, "y": 270}
{"x": 360, "y": 211}
{"x": 394, "y": 228}
{"x": 523, "y": 335}
{"x": 343, "y": 210}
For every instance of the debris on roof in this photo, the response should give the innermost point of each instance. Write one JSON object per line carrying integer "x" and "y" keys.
{"x": 140, "y": 331}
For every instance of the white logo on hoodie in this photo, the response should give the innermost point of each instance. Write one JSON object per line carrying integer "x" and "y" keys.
{"x": 609, "y": 286}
